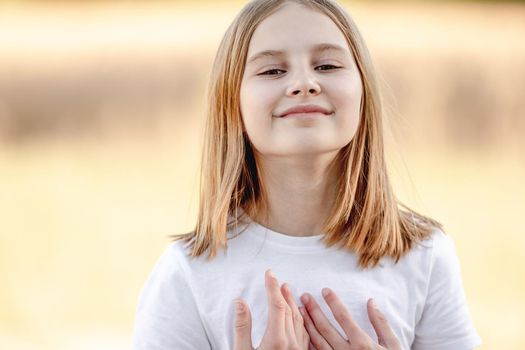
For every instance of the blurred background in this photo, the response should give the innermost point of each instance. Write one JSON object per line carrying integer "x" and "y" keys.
{"x": 101, "y": 122}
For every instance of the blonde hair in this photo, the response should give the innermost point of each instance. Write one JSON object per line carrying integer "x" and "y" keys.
{"x": 365, "y": 218}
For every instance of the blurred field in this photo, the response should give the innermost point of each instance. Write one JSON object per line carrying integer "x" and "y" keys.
{"x": 101, "y": 117}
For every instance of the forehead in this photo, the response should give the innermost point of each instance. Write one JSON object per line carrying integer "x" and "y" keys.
{"x": 295, "y": 27}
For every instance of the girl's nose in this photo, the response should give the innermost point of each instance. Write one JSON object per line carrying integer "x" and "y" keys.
{"x": 304, "y": 85}
{"x": 311, "y": 91}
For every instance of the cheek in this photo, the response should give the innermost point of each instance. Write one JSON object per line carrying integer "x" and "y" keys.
{"x": 258, "y": 97}
{"x": 347, "y": 102}
{"x": 256, "y": 111}
{"x": 248, "y": 105}
{"x": 258, "y": 102}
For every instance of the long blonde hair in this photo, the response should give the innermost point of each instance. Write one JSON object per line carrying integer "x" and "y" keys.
{"x": 365, "y": 218}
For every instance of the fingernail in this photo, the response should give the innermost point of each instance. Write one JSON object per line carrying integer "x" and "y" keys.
{"x": 325, "y": 292}
{"x": 271, "y": 274}
{"x": 373, "y": 303}
{"x": 305, "y": 299}
{"x": 239, "y": 307}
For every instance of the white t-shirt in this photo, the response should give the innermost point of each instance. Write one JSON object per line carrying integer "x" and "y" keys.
{"x": 189, "y": 303}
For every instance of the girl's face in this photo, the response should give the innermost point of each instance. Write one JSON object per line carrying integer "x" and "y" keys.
{"x": 296, "y": 57}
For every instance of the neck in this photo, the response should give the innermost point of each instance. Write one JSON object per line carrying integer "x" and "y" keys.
{"x": 300, "y": 193}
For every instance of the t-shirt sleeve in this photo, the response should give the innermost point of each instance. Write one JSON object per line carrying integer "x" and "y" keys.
{"x": 167, "y": 317}
{"x": 445, "y": 323}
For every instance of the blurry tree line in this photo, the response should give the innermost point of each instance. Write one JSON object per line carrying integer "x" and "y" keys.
{"x": 471, "y": 104}
{"x": 464, "y": 101}
{"x": 244, "y": 1}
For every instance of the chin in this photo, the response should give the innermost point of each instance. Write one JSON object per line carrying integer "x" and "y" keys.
{"x": 306, "y": 150}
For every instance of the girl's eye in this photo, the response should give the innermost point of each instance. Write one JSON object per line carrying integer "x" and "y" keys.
{"x": 276, "y": 71}
{"x": 271, "y": 72}
{"x": 327, "y": 67}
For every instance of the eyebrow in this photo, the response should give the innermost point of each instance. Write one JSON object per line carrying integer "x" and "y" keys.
{"x": 317, "y": 48}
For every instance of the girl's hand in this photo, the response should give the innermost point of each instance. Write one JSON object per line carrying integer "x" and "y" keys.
{"x": 324, "y": 336}
{"x": 285, "y": 327}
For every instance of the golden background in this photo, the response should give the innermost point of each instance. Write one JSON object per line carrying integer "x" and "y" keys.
{"x": 101, "y": 122}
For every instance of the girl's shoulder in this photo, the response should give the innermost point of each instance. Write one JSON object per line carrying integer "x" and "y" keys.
{"x": 439, "y": 253}
{"x": 436, "y": 237}
{"x": 173, "y": 259}
{"x": 437, "y": 248}
{"x": 438, "y": 242}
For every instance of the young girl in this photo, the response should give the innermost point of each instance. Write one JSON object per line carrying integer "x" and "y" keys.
{"x": 294, "y": 185}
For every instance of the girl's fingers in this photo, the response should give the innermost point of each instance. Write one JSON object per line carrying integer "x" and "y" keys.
{"x": 297, "y": 319}
{"x": 321, "y": 323}
{"x": 341, "y": 314}
{"x": 289, "y": 328}
{"x": 317, "y": 341}
{"x": 276, "y": 307}
{"x": 243, "y": 326}
{"x": 385, "y": 335}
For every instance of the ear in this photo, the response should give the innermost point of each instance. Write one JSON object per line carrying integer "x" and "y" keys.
{"x": 243, "y": 326}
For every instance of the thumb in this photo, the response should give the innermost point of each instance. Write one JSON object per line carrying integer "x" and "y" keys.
{"x": 243, "y": 326}
{"x": 385, "y": 335}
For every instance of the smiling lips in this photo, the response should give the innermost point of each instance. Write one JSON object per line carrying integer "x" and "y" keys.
{"x": 304, "y": 109}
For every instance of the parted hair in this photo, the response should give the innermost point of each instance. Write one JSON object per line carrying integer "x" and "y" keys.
{"x": 365, "y": 218}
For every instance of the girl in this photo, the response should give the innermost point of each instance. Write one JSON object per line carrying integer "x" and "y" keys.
{"x": 294, "y": 184}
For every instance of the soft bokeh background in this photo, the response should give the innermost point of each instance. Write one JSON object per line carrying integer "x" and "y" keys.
{"x": 101, "y": 117}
